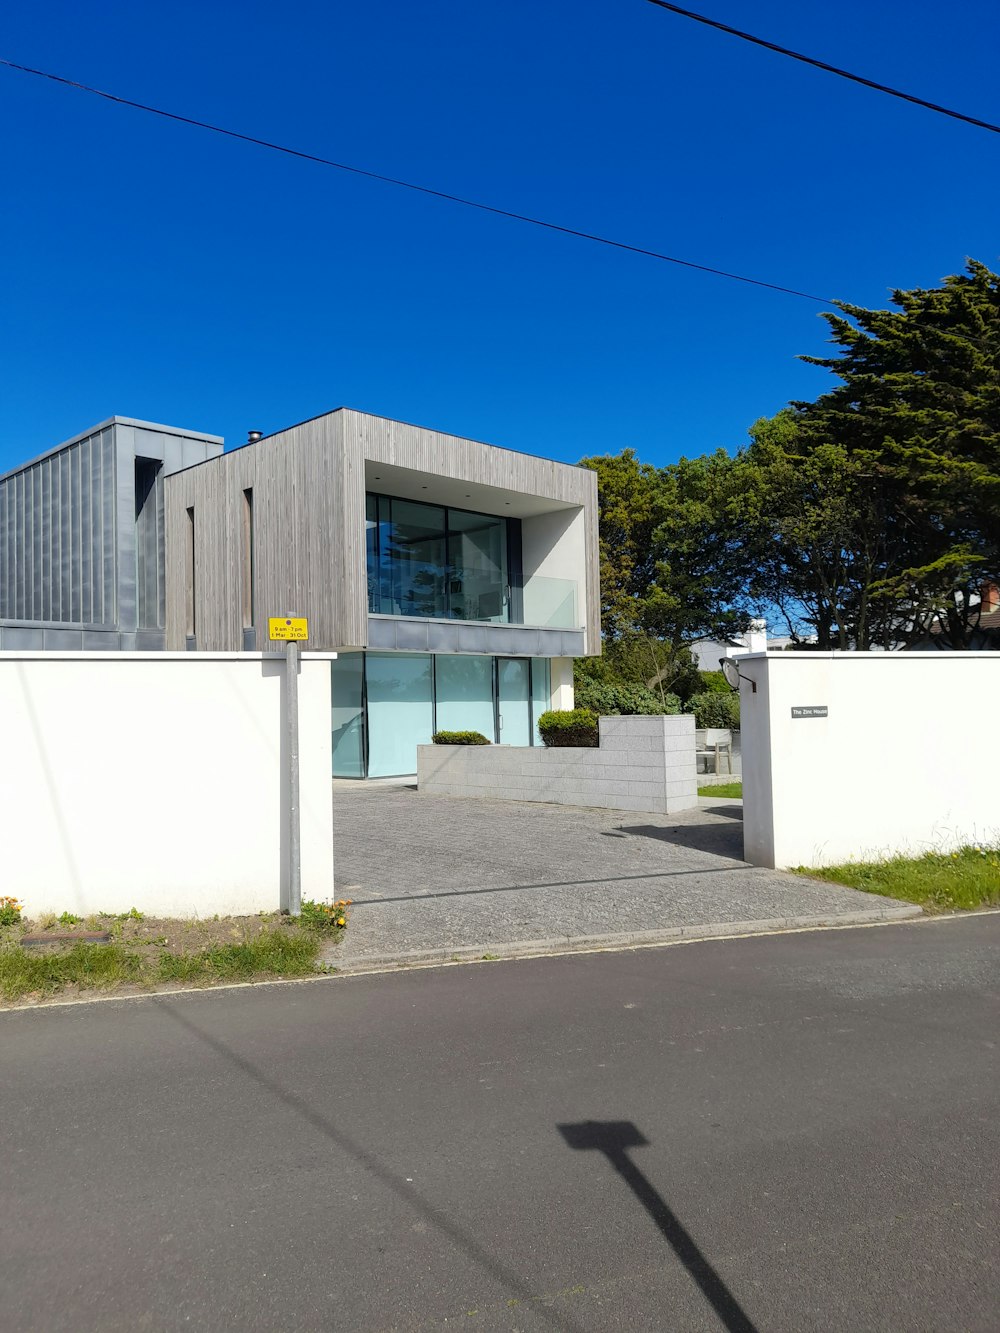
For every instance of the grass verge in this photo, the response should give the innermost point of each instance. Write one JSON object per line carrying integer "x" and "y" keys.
{"x": 147, "y": 953}
{"x": 937, "y": 881}
{"x": 272, "y": 953}
{"x": 724, "y": 790}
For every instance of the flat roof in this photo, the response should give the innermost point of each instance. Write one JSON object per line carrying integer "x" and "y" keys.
{"x": 378, "y": 416}
{"x": 114, "y": 421}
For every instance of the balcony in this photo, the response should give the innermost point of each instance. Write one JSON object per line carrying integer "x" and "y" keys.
{"x": 449, "y": 580}
{"x": 539, "y": 619}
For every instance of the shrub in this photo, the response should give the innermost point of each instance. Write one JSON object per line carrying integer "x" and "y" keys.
{"x": 569, "y": 726}
{"x": 713, "y": 682}
{"x": 715, "y": 710}
{"x": 608, "y": 699}
{"x": 459, "y": 738}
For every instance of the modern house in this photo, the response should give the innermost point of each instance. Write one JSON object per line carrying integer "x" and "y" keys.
{"x": 81, "y": 538}
{"x": 455, "y": 580}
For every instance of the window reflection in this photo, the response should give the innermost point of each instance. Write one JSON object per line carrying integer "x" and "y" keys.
{"x": 432, "y": 561}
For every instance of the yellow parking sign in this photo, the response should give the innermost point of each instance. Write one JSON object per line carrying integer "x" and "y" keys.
{"x": 288, "y": 627}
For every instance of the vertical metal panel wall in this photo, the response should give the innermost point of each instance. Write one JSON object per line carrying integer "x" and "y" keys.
{"x": 58, "y": 537}
{"x": 82, "y": 538}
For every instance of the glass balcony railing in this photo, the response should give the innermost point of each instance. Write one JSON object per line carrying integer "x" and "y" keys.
{"x": 545, "y": 603}
{"x": 550, "y": 603}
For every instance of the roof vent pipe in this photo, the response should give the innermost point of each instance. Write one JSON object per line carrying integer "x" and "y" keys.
{"x": 254, "y": 435}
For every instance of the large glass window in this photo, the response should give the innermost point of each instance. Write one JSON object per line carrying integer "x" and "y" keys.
{"x": 400, "y": 711}
{"x": 465, "y": 694}
{"x": 430, "y": 561}
{"x": 410, "y": 695}
{"x": 347, "y": 716}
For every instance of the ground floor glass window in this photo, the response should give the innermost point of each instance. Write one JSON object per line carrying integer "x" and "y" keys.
{"x": 386, "y": 704}
{"x": 465, "y": 694}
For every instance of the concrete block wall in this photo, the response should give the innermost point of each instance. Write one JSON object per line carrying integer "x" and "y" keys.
{"x": 642, "y": 763}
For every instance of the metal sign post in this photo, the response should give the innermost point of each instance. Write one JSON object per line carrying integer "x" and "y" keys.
{"x": 292, "y": 632}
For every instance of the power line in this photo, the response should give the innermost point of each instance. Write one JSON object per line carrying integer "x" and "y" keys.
{"x": 412, "y": 185}
{"x": 822, "y": 64}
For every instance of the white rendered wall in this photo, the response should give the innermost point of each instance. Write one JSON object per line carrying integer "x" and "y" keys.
{"x": 561, "y": 680}
{"x": 553, "y": 556}
{"x": 905, "y": 761}
{"x": 155, "y": 780}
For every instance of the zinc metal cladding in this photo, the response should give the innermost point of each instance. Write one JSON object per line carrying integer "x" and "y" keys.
{"x": 58, "y": 538}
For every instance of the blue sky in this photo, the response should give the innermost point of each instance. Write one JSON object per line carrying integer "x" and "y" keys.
{"x": 157, "y": 271}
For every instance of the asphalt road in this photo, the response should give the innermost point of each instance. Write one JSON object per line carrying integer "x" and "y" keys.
{"x": 783, "y": 1133}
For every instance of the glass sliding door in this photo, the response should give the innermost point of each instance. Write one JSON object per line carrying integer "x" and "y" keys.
{"x": 346, "y": 713}
{"x": 513, "y": 701}
{"x": 541, "y": 694}
{"x": 416, "y": 560}
{"x": 465, "y": 694}
{"x": 477, "y": 566}
{"x": 400, "y": 711}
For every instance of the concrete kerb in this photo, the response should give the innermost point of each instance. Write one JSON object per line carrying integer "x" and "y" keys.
{"x": 563, "y": 944}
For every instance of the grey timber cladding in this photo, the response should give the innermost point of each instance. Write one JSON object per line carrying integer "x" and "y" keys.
{"x": 304, "y": 560}
{"x": 308, "y": 486}
{"x": 58, "y": 536}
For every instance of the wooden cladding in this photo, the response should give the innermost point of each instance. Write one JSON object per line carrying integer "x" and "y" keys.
{"x": 281, "y": 525}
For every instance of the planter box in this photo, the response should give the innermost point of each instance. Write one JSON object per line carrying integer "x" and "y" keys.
{"x": 641, "y": 763}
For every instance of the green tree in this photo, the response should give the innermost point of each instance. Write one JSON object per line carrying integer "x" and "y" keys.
{"x": 876, "y": 509}
{"x": 670, "y": 565}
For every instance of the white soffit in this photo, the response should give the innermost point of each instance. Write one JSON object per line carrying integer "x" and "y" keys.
{"x": 387, "y": 479}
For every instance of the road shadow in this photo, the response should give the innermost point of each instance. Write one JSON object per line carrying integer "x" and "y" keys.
{"x": 722, "y": 839}
{"x": 421, "y": 895}
{"x": 317, "y": 1122}
{"x": 615, "y": 1138}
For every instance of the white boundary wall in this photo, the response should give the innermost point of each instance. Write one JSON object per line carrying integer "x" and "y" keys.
{"x": 905, "y": 760}
{"x": 642, "y": 763}
{"x": 156, "y": 781}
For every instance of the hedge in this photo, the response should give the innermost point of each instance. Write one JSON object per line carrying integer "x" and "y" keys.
{"x": 459, "y": 738}
{"x": 715, "y": 710}
{"x": 569, "y": 726}
{"x": 608, "y": 699}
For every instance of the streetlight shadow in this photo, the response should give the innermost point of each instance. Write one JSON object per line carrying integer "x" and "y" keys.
{"x": 615, "y": 1138}
{"x": 316, "y": 1122}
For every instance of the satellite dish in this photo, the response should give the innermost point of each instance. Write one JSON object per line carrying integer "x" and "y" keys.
{"x": 733, "y": 675}
{"x": 731, "y": 672}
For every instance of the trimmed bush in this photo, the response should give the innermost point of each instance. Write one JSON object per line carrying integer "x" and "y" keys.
{"x": 569, "y": 726}
{"x": 715, "y": 710}
{"x": 607, "y": 699}
{"x": 459, "y": 738}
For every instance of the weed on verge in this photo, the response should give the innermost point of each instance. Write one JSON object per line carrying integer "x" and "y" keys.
{"x": 145, "y": 953}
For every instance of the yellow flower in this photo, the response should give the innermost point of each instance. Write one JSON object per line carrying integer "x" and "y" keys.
{"x": 341, "y": 921}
